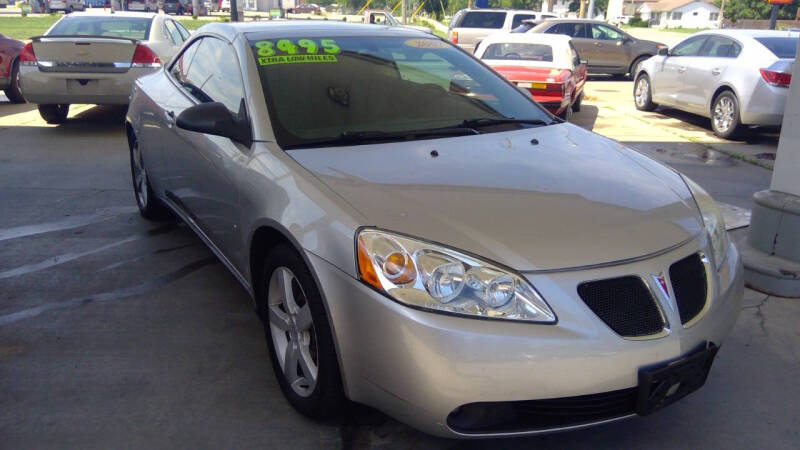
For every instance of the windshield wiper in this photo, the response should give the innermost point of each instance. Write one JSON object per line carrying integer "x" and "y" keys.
{"x": 488, "y": 121}
{"x": 366, "y": 137}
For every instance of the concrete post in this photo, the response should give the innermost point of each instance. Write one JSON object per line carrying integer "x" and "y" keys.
{"x": 615, "y": 9}
{"x": 545, "y": 5}
{"x": 772, "y": 252}
{"x": 590, "y": 10}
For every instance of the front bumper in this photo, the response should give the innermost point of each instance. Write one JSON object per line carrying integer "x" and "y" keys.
{"x": 419, "y": 366}
{"x": 72, "y": 87}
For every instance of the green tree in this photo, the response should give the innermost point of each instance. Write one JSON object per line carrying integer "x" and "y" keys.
{"x": 755, "y": 9}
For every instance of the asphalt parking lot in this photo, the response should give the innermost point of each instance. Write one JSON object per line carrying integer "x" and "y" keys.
{"x": 118, "y": 332}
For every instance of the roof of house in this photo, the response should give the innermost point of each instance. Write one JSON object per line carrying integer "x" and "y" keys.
{"x": 670, "y": 5}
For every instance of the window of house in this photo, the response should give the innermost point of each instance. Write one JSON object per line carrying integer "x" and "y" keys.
{"x": 677, "y": 15}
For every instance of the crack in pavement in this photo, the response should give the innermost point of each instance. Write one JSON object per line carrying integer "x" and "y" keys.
{"x": 759, "y": 313}
{"x": 115, "y": 294}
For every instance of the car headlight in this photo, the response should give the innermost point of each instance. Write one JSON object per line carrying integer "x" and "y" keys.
{"x": 712, "y": 219}
{"x": 434, "y": 277}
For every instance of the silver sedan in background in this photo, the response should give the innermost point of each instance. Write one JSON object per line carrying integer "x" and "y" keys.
{"x": 447, "y": 251}
{"x": 735, "y": 77}
{"x": 95, "y": 58}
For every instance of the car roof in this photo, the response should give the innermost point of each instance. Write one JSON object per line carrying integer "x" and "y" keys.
{"x": 502, "y": 10}
{"x": 534, "y": 38}
{"x": 751, "y": 33}
{"x": 109, "y": 14}
{"x": 567, "y": 19}
{"x": 287, "y": 27}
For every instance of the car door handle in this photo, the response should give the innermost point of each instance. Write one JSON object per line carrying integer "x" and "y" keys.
{"x": 170, "y": 118}
{"x": 716, "y": 71}
{"x": 681, "y": 69}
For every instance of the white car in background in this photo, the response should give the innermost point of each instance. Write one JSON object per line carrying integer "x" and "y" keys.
{"x": 95, "y": 58}
{"x": 67, "y": 6}
{"x": 470, "y": 26}
{"x": 734, "y": 77}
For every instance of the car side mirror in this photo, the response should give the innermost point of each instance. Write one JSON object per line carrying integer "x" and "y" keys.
{"x": 663, "y": 51}
{"x": 214, "y": 118}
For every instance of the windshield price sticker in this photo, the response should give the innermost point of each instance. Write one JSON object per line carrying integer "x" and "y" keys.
{"x": 426, "y": 43}
{"x": 287, "y": 51}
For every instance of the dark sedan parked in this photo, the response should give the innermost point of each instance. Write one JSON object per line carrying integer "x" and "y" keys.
{"x": 9, "y": 68}
{"x": 607, "y": 49}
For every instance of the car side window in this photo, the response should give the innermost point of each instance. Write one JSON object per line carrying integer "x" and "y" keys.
{"x": 180, "y": 68}
{"x": 172, "y": 31}
{"x": 605, "y": 33}
{"x": 214, "y": 75}
{"x": 720, "y": 47}
{"x": 576, "y": 30}
{"x": 689, "y": 47}
{"x": 183, "y": 31}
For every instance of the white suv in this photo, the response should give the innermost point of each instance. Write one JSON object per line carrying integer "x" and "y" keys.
{"x": 470, "y": 26}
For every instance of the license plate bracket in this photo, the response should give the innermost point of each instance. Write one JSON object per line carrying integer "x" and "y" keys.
{"x": 664, "y": 385}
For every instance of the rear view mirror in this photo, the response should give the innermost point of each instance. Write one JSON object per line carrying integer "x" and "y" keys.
{"x": 214, "y": 118}
{"x": 663, "y": 51}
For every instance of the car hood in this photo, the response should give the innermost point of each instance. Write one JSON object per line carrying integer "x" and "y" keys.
{"x": 570, "y": 199}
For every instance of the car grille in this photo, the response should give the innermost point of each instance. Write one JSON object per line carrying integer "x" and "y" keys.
{"x": 532, "y": 415}
{"x": 689, "y": 283}
{"x": 625, "y": 304}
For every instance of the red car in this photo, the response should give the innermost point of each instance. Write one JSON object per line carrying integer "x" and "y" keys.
{"x": 9, "y": 68}
{"x": 547, "y": 65}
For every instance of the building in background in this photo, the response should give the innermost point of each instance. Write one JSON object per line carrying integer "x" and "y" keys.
{"x": 680, "y": 13}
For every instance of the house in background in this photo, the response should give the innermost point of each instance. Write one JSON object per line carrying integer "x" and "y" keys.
{"x": 680, "y": 13}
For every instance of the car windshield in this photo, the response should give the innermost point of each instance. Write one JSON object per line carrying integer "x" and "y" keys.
{"x": 319, "y": 89}
{"x": 782, "y": 47}
{"x": 127, "y": 27}
{"x": 520, "y": 51}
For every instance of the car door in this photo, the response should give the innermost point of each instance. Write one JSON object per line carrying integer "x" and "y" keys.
{"x": 611, "y": 52}
{"x": 668, "y": 77}
{"x": 199, "y": 164}
{"x": 706, "y": 70}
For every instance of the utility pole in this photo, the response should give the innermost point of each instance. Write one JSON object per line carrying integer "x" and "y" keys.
{"x": 582, "y": 9}
{"x": 773, "y": 17}
{"x": 721, "y": 12}
{"x": 234, "y": 11}
{"x": 195, "y": 8}
{"x": 404, "y": 12}
{"x": 590, "y": 13}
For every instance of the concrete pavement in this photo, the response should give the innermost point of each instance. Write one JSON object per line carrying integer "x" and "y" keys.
{"x": 119, "y": 332}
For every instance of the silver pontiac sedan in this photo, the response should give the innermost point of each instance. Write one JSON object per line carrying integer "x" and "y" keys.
{"x": 735, "y": 77}
{"x": 421, "y": 237}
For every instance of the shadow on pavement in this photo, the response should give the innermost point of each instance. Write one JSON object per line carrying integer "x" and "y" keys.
{"x": 587, "y": 117}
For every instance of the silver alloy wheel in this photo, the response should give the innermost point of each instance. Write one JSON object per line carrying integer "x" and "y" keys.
{"x": 723, "y": 114}
{"x": 139, "y": 176}
{"x": 292, "y": 329}
{"x": 642, "y": 90}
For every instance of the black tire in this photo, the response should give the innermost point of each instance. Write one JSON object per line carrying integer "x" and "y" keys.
{"x": 643, "y": 100}
{"x": 54, "y": 114}
{"x": 576, "y": 105}
{"x": 634, "y": 69}
{"x": 150, "y": 207}
{"x": 726, "y": 124}
{"x": 14, "y": 93}
{"x": 326, "y": 399}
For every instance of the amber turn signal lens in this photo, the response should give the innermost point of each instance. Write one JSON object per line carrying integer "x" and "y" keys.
{"x": 365, "y": 267}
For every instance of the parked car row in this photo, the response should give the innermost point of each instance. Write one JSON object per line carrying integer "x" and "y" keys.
{"x": 268, "y": 141}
